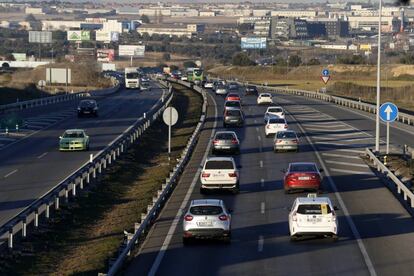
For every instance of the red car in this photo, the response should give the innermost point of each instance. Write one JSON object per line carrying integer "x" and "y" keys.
{"x": 302, "y": 176}
{"x": 233, "y": 97}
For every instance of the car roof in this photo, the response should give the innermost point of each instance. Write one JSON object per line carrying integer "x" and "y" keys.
{"x": 302, "y": 163}
{"x": 220, "y": 159}
{"x": 221, "y": 132}
{"x": 287, "y": 130}
{"x": 313, "y": 200}
{"x": 270, "y": 107}
{"x": 74, "y": 130}
{"x": 265, "y": 94}
{"x": 231, "y": 101}
{"x": 202, "y": 202}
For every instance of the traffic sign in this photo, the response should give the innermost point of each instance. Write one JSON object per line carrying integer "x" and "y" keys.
{"x": 388, "y": 112}
{"x": 170, "y": 116}
{"x": 325, "y": 72}
{"x": 325, "y": 79}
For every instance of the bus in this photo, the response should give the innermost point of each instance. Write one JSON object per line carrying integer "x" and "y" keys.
{"x": 132, "y": 77}
{"x": 195, "y": 75}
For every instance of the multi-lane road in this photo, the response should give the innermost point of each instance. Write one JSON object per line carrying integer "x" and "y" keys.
{"x": 31, "y": 166}
{"x": 375, "y": 231}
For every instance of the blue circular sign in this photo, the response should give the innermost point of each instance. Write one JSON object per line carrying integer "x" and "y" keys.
{"x": 325, "y": 72}
{"x": 388, "y": 112}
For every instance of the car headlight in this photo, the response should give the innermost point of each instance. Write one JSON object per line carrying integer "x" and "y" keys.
{"x": 79, "y": 108}
{"x": 95, "y": 108}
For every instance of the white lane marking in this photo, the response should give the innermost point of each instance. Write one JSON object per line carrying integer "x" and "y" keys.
{"x": 259, "y": 138}
{"x": 261, "y": 164}
{"x": 255, "y": 120}
{"x": 262, "y": 208}
{"x": 336, "y": 126}
{"x": 351, "y": 172}
{"x": 329, "y": 143}
{"x": 338, "y": 196}
{"x": 257, "y": 129}
{"x": 5, "y": 139}
{"x": 340, "y": 156}
{"x": 351, "y": 150}
{"x": 260, "y": 243}
{"x": 347, "y": 164}
{"x": 345, "y": 134}
{"x": 328, "y": 130}
{"x": 262, "y": 182}
{"x": 10, "y": 173}
{"x": 174, "y": 225}
{"x": 42, "y": 155}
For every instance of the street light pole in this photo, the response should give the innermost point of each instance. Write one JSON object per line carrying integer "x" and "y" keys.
{"x": 377, "y": 121}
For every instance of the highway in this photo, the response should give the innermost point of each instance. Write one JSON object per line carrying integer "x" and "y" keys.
{"x": 32, "y": 166}
{"x": 375, "y": 231}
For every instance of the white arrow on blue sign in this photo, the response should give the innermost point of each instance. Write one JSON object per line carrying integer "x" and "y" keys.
{"x": 325, "y": 72}
{"x": 388, "y": 112}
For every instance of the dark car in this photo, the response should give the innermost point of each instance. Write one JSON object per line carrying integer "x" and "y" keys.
{"x": 251, "y": 90}
{"x": 233, "y": 86}
{"x": 233, "y": 117}
{"x": 87, "y": 108}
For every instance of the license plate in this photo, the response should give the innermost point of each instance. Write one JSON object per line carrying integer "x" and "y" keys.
{"x": 205, "y": 223}
{"x": 86, "y": 112}
{"x": 218, "y": 175}
{"x": 314, "y": 220}
{"x": 303, "y": 177}
{"x": 226, "y": 147}
{"x": 233, "y": 120}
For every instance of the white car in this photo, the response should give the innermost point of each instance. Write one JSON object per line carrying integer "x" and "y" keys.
{"x": 274, "y": 111}
{"x": 208, "y": 84}
{"x": 207, "y": 218}
{"x": 264, "y": 98}
{"x": 275, "y": 124}
{"x": 313, "y": 216}
{"x": 221, "y": 90}
{"x": 184, "y": 78}
{"x": 219, "y": 173}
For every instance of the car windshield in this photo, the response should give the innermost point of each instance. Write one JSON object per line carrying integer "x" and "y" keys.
{"x": 87, "y": 103}
{"x": 275, "y": 109}
{"x": 276, "y": 121}
{"x": 251, "y": 87}
{"x": 314, "y": 209}
{"x": 265, "y": 96}
{"x": 285, "y": 135}
{"x": 220, "y": 86}
{"x": 303, "y": 168}
{"x": 233, "y": 113}
{"x": 73, "y": 134}
{"x": 132, "y": 75}
{"x": 224, "y": 136}
{"x": 206, "y": 210}
{"x": 232, "y": 103}
{"x": 219, "y": 165}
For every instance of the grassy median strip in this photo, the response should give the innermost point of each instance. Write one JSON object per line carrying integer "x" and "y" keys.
{"x": 85, "y": 234}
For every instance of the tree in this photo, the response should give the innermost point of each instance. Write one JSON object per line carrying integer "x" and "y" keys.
{"x": 354, "y": 59}
{"x": 173, "y": 68}
{"x": 314, "y": 61}
{"x": 407, "y": 59}
{"x": 242, "y": 59}
{"x": 166, "y": 57}
{"x": 295, "y": 61}
{"x": 189, "y": 64}
{"x": 145, "y": 19}
{"x": 30, "y": 18}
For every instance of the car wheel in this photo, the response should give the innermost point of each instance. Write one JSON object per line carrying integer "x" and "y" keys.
{"x": 287, "y": 191}
{"x": 224, "y": 125}
{"x": 186, "y": 241}
{"x": 227, "y": 240}
{"x": 87, "y": 147}
{"x": 236, "y": 190}
{"x": 238, "y": 152}
{"x": 334, "y": 238}
{"x": 275, "y": 150}
{"x": 202, "y": 191}
{"x": 293, "y": 238}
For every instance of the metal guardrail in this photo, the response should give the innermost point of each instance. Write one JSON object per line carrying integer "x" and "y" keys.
{"x": 401, "y": 187}
{"x": 83, "y": 175}
{"x": 56, "y": 99}
{"x": 162, "y": 195}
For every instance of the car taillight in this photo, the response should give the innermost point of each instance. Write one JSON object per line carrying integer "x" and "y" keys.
{"x": 215, "y": 142}
{"x": 286, "y": 126}
{"x": 279, "y": 141}
{"x": 333, "y": 215}
{"x": 234, "y": 141}
{"x": 268, "y": 126}
{"x": 233, "y": 174}
{"x": 293, "y": 176}
{"x": 294, "y": 217}
{"x": 188, "y": 218}
{"x": 295, "y": 141}
{"x": 205, "y": 174}
{"x": 223, "y": 217}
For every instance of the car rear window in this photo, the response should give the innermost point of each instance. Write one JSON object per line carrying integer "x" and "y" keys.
{"x": 282, "y": 134}
{"x": 232, "y": 103}
{"x": 314, "y": 209}
{"x": 251, "y": 87}
{"x": 303, "y": 168}
{"x": 275, "y": 109}
{"x": 206, "y": 210}
{"x": 265, "y": 95}
{"x": 224, "y": 136}
{"x": 87, "y": 103}
{"x": 73, "y": 135}
{"x": 232, "y": 112}
{"x": 233, "y": 95}
{"x": 219, "y": 165}
{"x": 276, "y": 121}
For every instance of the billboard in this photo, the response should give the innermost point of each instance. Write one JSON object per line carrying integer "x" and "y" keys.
{"x": 19, "y": 56}
{"x": 132, "y": 50}
{"x": 106, "y": 36}
{"x": 105, "y": 55}
{"x": 79, "y": 35}
{"x": 58, "y": 75}
{"x": 253, "y": 42}
{"x": 40, "y": 37}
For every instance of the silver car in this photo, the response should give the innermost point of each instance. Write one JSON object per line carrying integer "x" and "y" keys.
{"x": 207, "y": 218}
{"x": 286, "y": 140}
{"x": 226, "y": 141}
{"x": 221, "y": 90}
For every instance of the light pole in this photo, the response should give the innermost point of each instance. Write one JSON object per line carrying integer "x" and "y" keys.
{"x": 377, "y": 120}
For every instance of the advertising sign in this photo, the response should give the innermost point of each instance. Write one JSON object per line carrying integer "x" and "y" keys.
{"x": 132, "y": 50}
{"x": 19, "y": 56}
{"x": 58, "y": 75}
{"x": 40, "y": 37}
{"x": 79, "y": 35}
{"x": 105, "y": 55}
{"x": 253, "y": 42}
{"x": 106, "y": 36}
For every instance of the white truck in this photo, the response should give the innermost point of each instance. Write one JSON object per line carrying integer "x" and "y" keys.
{"x": 132, "y": 78}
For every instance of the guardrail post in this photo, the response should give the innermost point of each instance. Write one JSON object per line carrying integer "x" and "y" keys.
{"x": 81, "y": 183}
{"x": 10, "y": 243}
{"x": 66, "y": 194}
{"x": 74, "y": 189}
{"x": 145, "y": 115}
{"x": 91, "y": 158}
{"x": 47, "y": 212}
{"x": 94, "y": 172}
{"x": 57, "y": 199}
{"x": 36, "y": 218}
{"x": 24, "y": 228}
{"x": 100, "y": 167}
{"x": 122, "y": 147}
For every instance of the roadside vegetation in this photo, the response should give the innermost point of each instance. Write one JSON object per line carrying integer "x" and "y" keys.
{"x": 85, "y": 234}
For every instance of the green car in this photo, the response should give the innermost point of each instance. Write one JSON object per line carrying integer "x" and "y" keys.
{"x": 74, "y": 139}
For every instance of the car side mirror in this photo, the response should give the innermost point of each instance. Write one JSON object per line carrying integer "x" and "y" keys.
{"x": 283, "y": 170}
{"x": 230, "y": 210}
{"x": 321, "y": 170}
{"x": 239, "y": 166}
{"x": 336, "y": 208}
{"x": 60, "y": 137}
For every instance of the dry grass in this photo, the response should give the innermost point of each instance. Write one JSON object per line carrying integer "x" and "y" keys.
{"x": 86, "y": 234}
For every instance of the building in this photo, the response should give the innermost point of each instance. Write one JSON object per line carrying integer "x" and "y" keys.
{"x": 112, "y": 26}
{"x": 170, "y": 30}
{"x": 294, "y": 13}
{"x": 370, "y": 23}
{"x": 288, "y": 28}
{"x": 184, "y": 13}
{"x": 261, "y": 13}
{"x": 196, "y": 28}
{"x": 52, "y": 25}
{"x": 330, "y": 27}
{"x": 34, "y": 11}
{"x": 262, "y": 28}
{"x": 207, "y": 13}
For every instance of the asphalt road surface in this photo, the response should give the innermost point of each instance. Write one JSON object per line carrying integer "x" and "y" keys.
{"x": 33, "y": 165}
{"x": 375, "y": 232}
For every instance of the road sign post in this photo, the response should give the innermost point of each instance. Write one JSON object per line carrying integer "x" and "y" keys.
{"x": 170, "y": 117}
{"x": 388, "y": 112}
{"x": 325, "y": 77}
